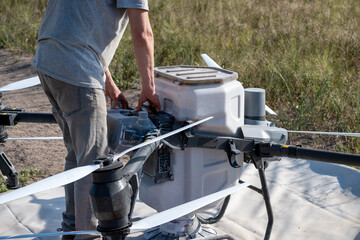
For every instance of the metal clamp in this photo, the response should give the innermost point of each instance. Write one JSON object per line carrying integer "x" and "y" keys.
{"x": 232, "y": 152}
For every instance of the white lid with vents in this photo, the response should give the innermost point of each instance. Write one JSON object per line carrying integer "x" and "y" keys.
{"x": 195, "y": 75}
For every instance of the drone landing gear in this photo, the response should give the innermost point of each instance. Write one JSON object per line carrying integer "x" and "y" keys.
{"x": 181, "y": 229}
{"x": 9, "y": 171}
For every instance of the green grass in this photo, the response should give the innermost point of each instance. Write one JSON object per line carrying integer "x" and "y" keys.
{"x": 19, "y": 23}
{"x": 2, "y": 184}
{"x": 26, "y": 176}
{"x": 304, "y": 53}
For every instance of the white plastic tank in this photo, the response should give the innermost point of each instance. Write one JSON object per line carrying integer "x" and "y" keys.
{"x": 193, "y": 93}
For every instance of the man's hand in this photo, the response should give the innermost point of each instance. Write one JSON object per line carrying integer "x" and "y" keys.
{"x": 151, "y": 98}
{"x": 114, "y": 93}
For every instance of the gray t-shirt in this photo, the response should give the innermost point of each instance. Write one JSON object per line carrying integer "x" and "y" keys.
{"x": 78, "y": 38}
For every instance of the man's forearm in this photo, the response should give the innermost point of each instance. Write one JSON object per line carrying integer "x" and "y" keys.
{"x": 145, "y": 61}
{"x": 143, "y": 42}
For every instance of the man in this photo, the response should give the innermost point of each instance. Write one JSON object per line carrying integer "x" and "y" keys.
{"x": 77, "y": 40}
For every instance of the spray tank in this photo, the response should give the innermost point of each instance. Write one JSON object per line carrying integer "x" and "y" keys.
{"x": 179, "y": 173}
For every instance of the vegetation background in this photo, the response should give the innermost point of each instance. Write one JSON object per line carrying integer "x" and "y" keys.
{"x": 305, "y": 54}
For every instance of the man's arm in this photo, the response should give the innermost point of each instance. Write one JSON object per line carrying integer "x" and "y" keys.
{"x": 143, "y": 42}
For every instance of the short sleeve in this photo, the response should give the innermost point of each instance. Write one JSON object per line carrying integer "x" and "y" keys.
{"x": 141, "y": 4}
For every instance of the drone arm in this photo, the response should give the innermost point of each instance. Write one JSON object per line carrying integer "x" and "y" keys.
{"x": 308, "y": 154}
{"x": 35, "y": 117}
{"x": 138, "y": 160}
{"x": 11, "y": 117}
{"x": 134, "y": 166}
{"x": 266, "y": 149}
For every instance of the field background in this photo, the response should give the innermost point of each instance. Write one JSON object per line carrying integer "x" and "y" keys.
{"x": 305, "y": 54}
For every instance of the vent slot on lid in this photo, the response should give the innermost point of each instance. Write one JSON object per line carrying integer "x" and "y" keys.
{"x": 195, "y": 75}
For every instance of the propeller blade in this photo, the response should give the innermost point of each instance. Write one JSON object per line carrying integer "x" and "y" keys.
{"x": 209, "y": 62}
{"x": 328, "y": 133}
{"x": 161, "y": 137}
{"x": 40, "y": 235}
{"x": 270, "y": 111}
{"x": 57, "y": 180}
{"x": 35, "y": 138}
{"x": 29, "y": 82}
{"x": 181, "y": 210}
{"x": 75, "y": 174}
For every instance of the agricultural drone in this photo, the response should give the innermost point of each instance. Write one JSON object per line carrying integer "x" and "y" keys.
{"x": 190, "y": 154}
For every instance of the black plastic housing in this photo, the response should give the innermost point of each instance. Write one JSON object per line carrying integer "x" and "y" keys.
{"x": 110, "y": 196}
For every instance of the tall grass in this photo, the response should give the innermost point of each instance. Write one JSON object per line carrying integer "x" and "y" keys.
{"x": 306, "y": 54}
{"x": 19, "y": 23}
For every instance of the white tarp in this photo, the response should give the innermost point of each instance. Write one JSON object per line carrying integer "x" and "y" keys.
{"x": 310, "y": 200}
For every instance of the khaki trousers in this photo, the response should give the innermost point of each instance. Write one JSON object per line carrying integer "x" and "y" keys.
{"x": 81, "y": 115}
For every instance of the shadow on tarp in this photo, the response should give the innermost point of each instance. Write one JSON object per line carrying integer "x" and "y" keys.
{"x": 50, "y": 215}
{"x": 346, "y": 176}
{"x": 357, "y": 236}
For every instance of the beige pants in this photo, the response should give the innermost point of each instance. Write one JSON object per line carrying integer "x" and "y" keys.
{"x": 81, "y": 115}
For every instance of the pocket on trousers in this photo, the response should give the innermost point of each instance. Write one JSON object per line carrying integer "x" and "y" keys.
{"x": 71, "y": 101}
